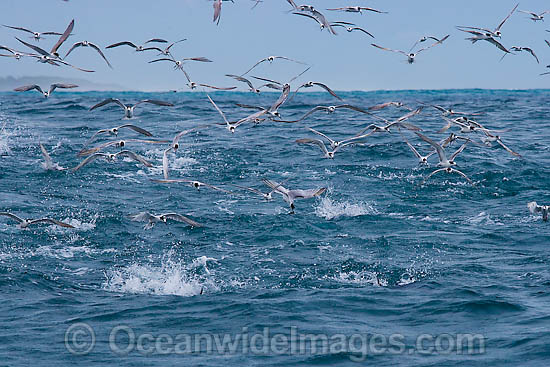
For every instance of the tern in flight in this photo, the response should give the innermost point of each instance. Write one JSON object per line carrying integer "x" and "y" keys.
{"x": 89, "y": 44}
{"x": 165, "y": 51}
{"x": 193, "y": 183}
{"x": 152, "y": 219}
{"x": 36, "y": 35}
{"x": 444, "y": 162}
{"x": 495, "y": 32}
{"x": 519, "y": 49}
{"x": 118, "y": 144}
{"x": 351, "y": 28}
{"x": 534, "y": 208}
{"x": 481, "y": 36}
{"x": 411, "y": 56}
{"x": 114, "y": 131}
{"x": 48, "y": 92}
{"x": 112, "y": 158}
{"x": 138, "y": 48}
{"x": 337, "y": 144}
{"x": 218, "y": 10}
{"x": 178, "y": 64}
{"x": 291, "y": 195}
{"x": 13, "y": 53}
{"x": 357, "y": 9}
{"x": 317, "y": 16}
{"x": 268, "y": 196}
{"x": 48, "y": 164}
{"x": 24, "y": 223}
{"x": 129, "y": 109}
{"x": 534, "y": 16}
{"x": 270, "y": 59}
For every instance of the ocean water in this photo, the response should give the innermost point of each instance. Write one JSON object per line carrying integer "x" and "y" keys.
{"x": 397, "y": 270}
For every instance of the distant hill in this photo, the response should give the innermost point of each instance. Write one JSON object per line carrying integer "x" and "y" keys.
{"x": 9, "y": 83}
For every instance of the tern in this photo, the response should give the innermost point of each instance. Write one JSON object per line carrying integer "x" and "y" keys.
{"x": 230, "y": 126}
{"x": 24, "y": 223}
{"x": 335, "y": 144}
{"x": 495, "y": 32}
{"x": 118, "y": 144}
{"x": 400, "y": 122}
{"x": 519, "y": 49}
{"x": 270, "y": 59}
{"x": 178, "y": 64}
{"x": 381, "y": 106}
{"x": 36, "y": 35}
{"x": 481, "y": 36}
{"x": 175, "y": 146}
{"x": 443, "y": 161}
{"x": 53, "y": 52}
{"x": 112, "y": 158}
{"x": 48, "y": 164}
{"x": 350, "y": 28}
{"x": 13, "y": 53}
{"x": 319, "y": 18}
{"x": 311, "y": 84}
{"x": 244, "y": 80}
{"x": 114, "y": 131}
{"x": 534, "y": 208}
{"x": 193, "y": 183}
{"x": 129, "y": 109}
{"x": 165, "y": 51}
{"x": 422, "y": 159}
{"x": 88, "y": 44}
{"x": 338, "y": 145}
{"x": 534, "y": 16}
{"x": 357, "y": 9}
{"x": 268, "y": 196}
{"x": 218, "y": 9}
{"x": 291, "y": 195}
{"x": 152, "y": 219}
{"x": 48, "y": 92}
{"x": 411, "y": 56}
{"x": 138, "y": 48}
{"x": 489, "y": 138}
{"x": 328, "y": 109}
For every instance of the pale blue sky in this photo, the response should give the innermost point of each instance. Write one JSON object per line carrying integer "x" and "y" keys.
{"x": 344, "y": 62}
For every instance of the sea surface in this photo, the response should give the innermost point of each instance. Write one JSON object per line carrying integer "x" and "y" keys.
{"x": 393, "y": 270}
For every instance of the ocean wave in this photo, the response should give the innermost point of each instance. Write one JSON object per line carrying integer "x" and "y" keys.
{"x": 330, "y": 209}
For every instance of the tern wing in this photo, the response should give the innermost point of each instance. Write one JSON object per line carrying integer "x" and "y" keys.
{"x": 135, "y": 157}
{"x": 63, "y": 38}
{"x": 183, "y": 219}
{"x": 12, "y": 216}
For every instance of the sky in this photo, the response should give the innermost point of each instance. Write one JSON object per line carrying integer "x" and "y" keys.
{"x": 344, "y": 62}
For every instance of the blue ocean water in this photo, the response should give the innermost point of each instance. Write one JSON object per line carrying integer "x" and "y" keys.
{"x": 377, "y": 258}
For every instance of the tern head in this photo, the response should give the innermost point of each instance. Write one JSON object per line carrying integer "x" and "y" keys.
{"x": 424, "y": 160}
{"x": 330, "y": 155}
{"x": 121, "y": 144}
{"x": 331, "y": 109}
{"x": 232, "y": 129}
{"x": 271, "y": 58}
{"x": 85, "y": 43}
{"x": 196, "y": 184}
{"x": 175, "y": 146}
{"x": 114, "y": 131}
{"x": 163, "y": 218}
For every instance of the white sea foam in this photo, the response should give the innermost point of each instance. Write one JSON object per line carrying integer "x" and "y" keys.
{"x": 330, "y": 209}
{"x": 170, "y": 278}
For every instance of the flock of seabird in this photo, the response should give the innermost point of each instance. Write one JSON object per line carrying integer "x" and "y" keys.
{"x": 462, "y": 121}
